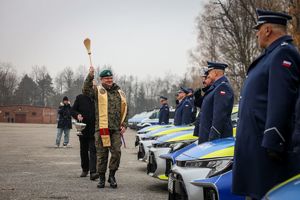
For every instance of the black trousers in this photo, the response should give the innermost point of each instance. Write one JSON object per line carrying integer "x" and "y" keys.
{"x": 88, "y": 154}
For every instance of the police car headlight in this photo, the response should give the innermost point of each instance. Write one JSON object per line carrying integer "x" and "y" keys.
{"x": 162, "y": 145}
{"x": 217, "y": 166}
{"x": 176, "y": 146}
{"x": 150, "y": 138}
{"x": 179, "y": 145}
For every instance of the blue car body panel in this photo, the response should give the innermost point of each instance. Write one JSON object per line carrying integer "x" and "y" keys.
{"x": 289, "y": 190}
{"x": 222, "y": 184}
{"x": 206, "y": 148}
{"x": 175, "y": 154}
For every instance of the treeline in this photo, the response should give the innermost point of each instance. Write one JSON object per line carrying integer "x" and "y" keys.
{"x": 225, "y": 34}
{"x": 39, "y": 88}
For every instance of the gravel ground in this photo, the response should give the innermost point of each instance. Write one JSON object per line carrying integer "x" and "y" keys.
{"x": 32, "y": 168}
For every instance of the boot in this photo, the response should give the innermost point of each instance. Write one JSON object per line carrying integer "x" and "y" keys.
{"x": 84, "y": 174}
{"x": 94, "y": 176}
{"x": 112, "y": 180}
{"x": 101, "y": 183}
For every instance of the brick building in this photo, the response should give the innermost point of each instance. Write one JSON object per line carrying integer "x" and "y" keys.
{"x": 28, "y": 114}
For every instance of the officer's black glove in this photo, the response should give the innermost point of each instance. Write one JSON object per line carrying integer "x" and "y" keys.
{"x": 197, "y": 93}
{"x": 275, "y": 155}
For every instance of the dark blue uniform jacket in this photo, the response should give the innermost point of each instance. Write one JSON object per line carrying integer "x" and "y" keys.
{"x": 215, "y": 114}
{"x": 183, "y": 113}
{"x": 266, "y": 117}
{"x": 164, "y": 114}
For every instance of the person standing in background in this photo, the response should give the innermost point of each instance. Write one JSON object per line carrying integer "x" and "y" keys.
{"x": 163, "y": 116}
{"x": 64, "y": 123}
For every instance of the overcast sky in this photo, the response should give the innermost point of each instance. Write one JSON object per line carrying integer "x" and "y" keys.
{"x": 138, "y": 37}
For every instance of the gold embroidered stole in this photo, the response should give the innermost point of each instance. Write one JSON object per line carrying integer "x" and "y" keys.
{"x": 103, "y": 113}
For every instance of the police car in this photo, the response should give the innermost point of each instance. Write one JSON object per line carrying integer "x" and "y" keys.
{"x": 146, "y": 140}
{"x": 153, "y": 120}
{"x": 156, "y": 166}
{"x": 203, "y": 161}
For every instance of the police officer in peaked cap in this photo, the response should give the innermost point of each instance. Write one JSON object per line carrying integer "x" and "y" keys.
{"x": 266, "y": 109}
{"x": 215, "y": 114}
{"x": 184, "y": 109}
{"x": 199, "y": 95}
{"x": 163, "y": 116}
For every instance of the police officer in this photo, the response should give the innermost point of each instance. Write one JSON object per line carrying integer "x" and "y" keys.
{"x": 164, "y": 111}
{"x": 266, "y": 109}
{"x": 215, "y": 116}
{"x": 192, "y": 100}
{"x": 199, "y": 99}
{"x": 110, "y": 104}
{"x": 184, "y": 109}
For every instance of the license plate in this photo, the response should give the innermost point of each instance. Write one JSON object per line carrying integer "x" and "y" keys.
{"x": 170, "y": 183}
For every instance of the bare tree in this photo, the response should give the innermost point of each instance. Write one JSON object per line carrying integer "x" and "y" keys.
{"x": 8, "y": 83}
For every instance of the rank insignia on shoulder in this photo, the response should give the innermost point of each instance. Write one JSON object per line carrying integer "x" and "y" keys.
{"x": 284, "y": 44}
{"x": 222, "y": 92}
{"x": 286, "y": 64}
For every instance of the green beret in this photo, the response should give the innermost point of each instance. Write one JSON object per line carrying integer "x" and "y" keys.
{"x": 106, "y": 73}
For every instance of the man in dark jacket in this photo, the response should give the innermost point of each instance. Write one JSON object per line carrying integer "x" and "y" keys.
{"x": 64, "y": 122}
{"x": 215, "y": 114}
{"x": 184, "y": 109}
{"x": 83, "y": 110}
{"x": 266, "y": 110}
{"x": 163, "y": 116}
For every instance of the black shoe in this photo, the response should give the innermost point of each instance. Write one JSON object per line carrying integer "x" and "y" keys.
{"x": 94, "y": 176}
{"x": 112, "y": 181}
{"x": 83, "y": 174}
{"x": 101, "y": 183}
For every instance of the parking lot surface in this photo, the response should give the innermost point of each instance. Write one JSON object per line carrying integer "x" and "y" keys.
{"x": 32, "y": 168}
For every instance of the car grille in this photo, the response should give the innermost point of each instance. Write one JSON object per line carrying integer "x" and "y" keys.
{"x": 169, "y": 164}
{"x": 210, "y": 193}
{"x": 152, "y": 165}
{"x": 141, "y": 152}
{"x": 137, "y": 140}
{"x": 178, "y": 188}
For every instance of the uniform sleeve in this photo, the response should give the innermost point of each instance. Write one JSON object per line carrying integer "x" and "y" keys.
{"x": 88, "y": 89}
{"x": 160, "y": 114}
{"x": 165, "y": 115}
{"x": 283, "y": 85}
{"x": 187, "y": 113}
{"x": 223, "y": 103}
{"x": 75, "y": 108}
{"x": 198, "y": 98}
{"x": 296, "y": 133}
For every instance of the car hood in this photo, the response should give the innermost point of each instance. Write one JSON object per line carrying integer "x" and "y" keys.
{"x": 168, "y": 130}
{"x": 214, "y": 149}
{"x": 289, "y": 189}
{"x": 153, "y": 127}
{"x": 177, "y": 136}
